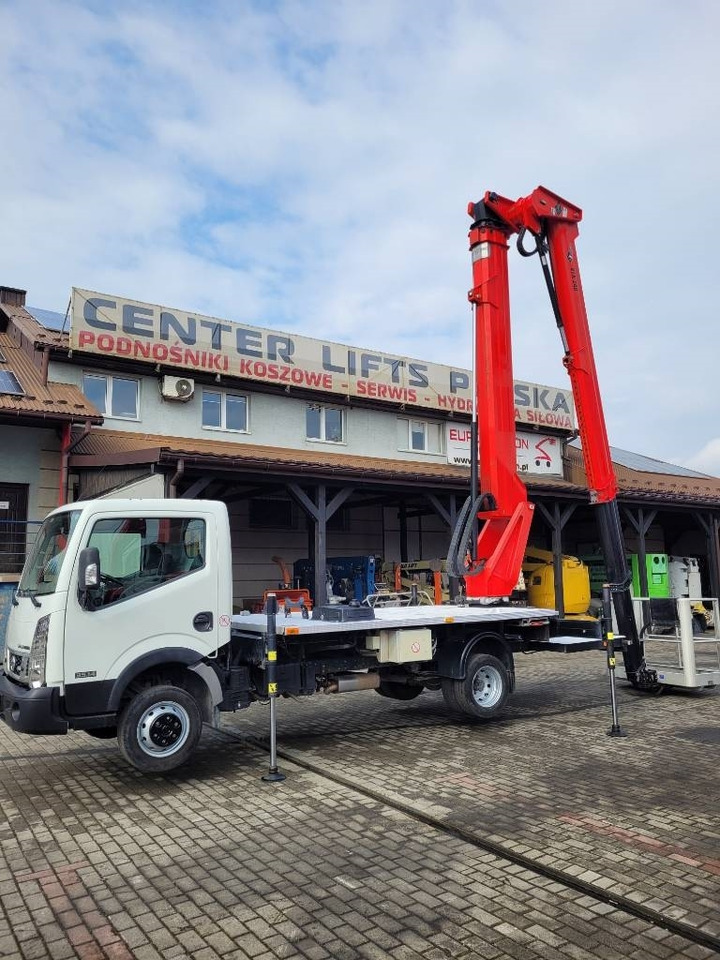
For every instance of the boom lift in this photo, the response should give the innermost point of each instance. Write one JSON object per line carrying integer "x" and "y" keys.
{"x": 492, "y": 529}
{"x": 539, "y": 572}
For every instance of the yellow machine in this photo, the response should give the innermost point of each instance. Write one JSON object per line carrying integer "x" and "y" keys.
{"x": 540, "y": 581}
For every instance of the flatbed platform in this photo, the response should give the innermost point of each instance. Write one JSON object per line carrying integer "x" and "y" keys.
{"x": 388, "y": 618}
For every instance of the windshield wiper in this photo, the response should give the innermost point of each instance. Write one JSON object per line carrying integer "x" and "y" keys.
{"x": 27, "y": 593}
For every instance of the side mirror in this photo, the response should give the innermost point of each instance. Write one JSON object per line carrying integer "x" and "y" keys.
{"x": 88, "y": 576}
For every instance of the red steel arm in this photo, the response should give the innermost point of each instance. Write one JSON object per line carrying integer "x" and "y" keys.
{"x": 504, "y": 511}
{"x": 544, "y": 212}
{"x": 503, "y": 508}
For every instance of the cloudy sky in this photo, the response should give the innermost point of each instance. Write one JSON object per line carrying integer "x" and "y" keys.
{"x": 306, "y": 166}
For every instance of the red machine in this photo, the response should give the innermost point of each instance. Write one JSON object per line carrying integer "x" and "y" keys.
{"x": 493, "y": 527}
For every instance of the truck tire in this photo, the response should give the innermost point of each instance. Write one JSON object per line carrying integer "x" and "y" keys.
{"x": 398, "y": 691}
{"x": 159, "y": 729}
{"x": 484, "y": 690}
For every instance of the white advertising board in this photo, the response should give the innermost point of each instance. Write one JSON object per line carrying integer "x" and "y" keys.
{"x": 536, "y": 453}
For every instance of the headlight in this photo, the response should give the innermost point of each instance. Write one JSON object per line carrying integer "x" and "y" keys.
{"x": 38, "y": 650}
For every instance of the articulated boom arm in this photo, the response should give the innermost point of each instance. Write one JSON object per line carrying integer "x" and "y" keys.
{"x": 554, "y": 221}
{"x": 498, "y": 504}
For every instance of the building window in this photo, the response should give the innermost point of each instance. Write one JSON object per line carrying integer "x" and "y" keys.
{"x": 421, "y": 436}
{"x": 113, "y": 396}
{"x": 325, "y": 423}
{"x": 224, "y": 411}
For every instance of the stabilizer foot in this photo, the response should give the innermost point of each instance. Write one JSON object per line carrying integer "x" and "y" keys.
{"x": 616, "y": 732}
{"x": 273, "y": 776}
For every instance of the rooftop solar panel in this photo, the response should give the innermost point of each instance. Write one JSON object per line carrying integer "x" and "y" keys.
{"x": 9, "y": 383}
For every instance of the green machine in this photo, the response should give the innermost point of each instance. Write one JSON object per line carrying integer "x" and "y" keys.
{"x": 658, "y": 576}
{"x": 595, "y": 563}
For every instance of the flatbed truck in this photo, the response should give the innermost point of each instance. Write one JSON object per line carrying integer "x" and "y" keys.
{"x": 122, "y": 627}
{"x": 122, "y": 623}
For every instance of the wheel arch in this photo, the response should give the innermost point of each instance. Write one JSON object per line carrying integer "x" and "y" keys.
{"x": 175, "y": 665}
{"x": 453, "y": 657}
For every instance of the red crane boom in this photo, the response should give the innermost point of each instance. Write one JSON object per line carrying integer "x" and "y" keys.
{"x": 492, "y": 530}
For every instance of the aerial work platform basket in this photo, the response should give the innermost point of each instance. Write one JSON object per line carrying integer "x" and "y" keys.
{"x": 681, "y": 638}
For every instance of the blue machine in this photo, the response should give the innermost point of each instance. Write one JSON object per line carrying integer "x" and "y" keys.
{"x": 352, "y": 578}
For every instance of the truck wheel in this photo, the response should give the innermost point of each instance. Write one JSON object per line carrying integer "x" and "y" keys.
{"x": 398, "y": 691}
{"x": 484, "y": 690}
{"x": 159, "y": 729}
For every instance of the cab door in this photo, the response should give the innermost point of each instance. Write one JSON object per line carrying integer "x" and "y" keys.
{"x": 157, "y": 601}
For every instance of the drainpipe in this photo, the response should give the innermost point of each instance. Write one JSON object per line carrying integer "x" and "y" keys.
{"x": 64, "y": 455}
{"x": 179, "y": 471}
{"x": 66, "y": 448}
{"x": 45, "y": 364}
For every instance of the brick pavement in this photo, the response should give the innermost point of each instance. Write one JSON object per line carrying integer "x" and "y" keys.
{"x": 100, "y": 862}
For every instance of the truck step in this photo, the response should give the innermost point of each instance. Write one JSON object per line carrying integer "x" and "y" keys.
{"x": 566, "y": 644}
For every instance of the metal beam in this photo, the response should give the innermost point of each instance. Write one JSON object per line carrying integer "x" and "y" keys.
{"x": 439, "y": 509}
{"x": 402, "y": 518}
{"x": 556, "y": 521}
{"x": 711, "y": 526}
{"x": 235, "y": 493}
{"x": 641, "y": 525}
{"x": 320, "y": 513}
{"x": 195, "y": 488}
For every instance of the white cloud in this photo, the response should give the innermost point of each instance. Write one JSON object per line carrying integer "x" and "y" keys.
{"x": 307, "y": 166}
{"x": 707, "y": 459}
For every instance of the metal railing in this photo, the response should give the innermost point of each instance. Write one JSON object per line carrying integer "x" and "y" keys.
{"x": 681, "y": 638}
{"x": 16, "y": 540}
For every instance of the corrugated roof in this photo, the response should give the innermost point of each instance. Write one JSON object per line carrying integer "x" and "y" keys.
{"x": 32, "y": 329}
{"x": 643, "y": 464}
{"x": 667, "y": 487}
{"x": 55, "y": 401}
{"x": 115, "y": 446}
{"x": 636, "y": 461}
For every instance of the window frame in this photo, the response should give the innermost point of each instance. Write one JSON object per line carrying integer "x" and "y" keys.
{"x": 224, "y": 394}
{"x": 408, "y": 447}
{"x": 109, "y": 379}
{"x": 144, "y": 577}
{"x": 323, "y": 408}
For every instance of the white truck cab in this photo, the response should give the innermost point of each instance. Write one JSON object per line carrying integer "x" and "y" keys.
{"x": 111, "y": 590}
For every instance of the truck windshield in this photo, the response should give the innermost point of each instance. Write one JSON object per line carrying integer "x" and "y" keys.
{"x": 42, "y": 567}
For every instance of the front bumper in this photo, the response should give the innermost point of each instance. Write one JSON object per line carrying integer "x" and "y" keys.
{"x": 34, "y": 710}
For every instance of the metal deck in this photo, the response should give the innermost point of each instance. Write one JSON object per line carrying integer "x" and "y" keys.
{"x": 389, "y": 618}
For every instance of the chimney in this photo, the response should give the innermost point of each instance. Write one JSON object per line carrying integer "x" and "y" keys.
{"x": 12, "y": 296}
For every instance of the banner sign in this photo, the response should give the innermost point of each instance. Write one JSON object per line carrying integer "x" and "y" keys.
{"x": 129, "y": 329}
{"x": 535, "y": 453}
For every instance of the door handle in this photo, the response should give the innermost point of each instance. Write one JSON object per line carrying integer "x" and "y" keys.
{"x": 203, "y": 621}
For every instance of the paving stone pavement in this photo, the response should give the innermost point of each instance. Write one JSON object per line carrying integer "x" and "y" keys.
{"x": 97, "y": 861}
